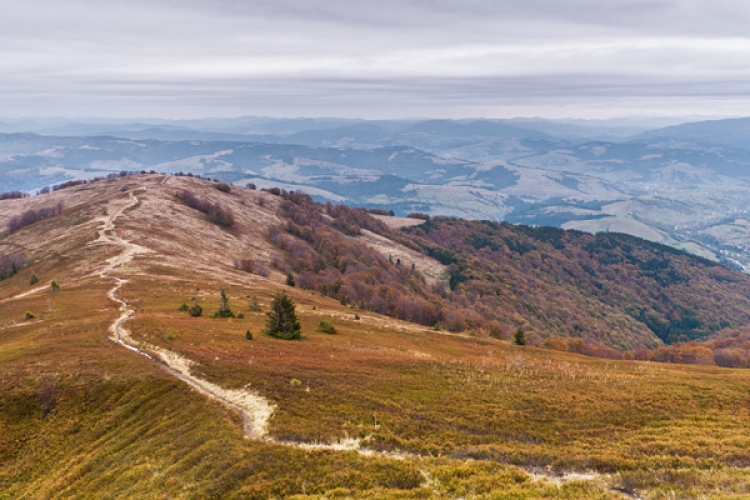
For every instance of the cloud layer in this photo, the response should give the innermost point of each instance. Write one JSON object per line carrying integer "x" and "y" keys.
{"x": 382, "y": 59}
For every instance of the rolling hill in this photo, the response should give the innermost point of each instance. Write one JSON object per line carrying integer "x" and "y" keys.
{"x": 382, "y": 409}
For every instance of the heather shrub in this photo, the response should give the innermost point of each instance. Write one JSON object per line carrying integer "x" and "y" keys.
{"x": 326, "y": 326}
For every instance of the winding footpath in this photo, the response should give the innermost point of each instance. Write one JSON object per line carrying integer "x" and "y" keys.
{"x": 255, "y": 410}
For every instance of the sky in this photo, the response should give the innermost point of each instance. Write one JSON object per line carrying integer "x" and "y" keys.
{"x": 381, "y": 59}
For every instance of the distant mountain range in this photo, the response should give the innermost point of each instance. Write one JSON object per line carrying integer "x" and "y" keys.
{"x": 683, "y": 184}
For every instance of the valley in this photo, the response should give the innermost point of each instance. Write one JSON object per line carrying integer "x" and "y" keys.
{"x": 683, "y": 187}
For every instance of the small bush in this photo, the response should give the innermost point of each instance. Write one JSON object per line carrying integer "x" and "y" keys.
{"x": 248, "y": 335}
{"x": 356, "y": 317}
{"x": 184, "y": 307}
{"x": 290, "y": 280}
{"x": 224, "y": 188}
{"x": 54, "y": 287}
{"x": 251, "y": 266}
{"x": 326, "y": 326}
{"x": 220, "y": 216}
{"x": 29, "y": 315}
{"x": 33, "y": 280}
{"x": 169, "y": 336}
{"x": 251, "y": 186}
{"x": 295, "y": 383}
{"x": 240, "y": 316}
{"x": 224, "y": 310}
{"x": 254, "y": 307}
{"x": 495, "y": 330}
{"x": 195, "y": 309}
{"x": 278, "y": 263}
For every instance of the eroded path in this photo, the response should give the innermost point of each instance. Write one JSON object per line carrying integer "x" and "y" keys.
{"x": 255, "y": 410}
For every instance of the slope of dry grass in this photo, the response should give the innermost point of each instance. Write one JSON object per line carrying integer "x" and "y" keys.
{"x": 83, "y": 417}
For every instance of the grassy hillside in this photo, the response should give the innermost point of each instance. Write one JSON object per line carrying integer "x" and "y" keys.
{"x": 456, "y": 416}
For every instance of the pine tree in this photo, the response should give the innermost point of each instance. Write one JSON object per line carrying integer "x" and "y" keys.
{"x": 54, "y": 287}
{"x": 282, "y": 319}
{"x": 519, "y": 338}
{"x": 224, "y": 310}
{"x": 290, "y": 280}
{"x": 33, "y": 280}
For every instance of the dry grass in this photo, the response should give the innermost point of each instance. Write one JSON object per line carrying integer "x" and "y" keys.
{"x": 82, "y": 417}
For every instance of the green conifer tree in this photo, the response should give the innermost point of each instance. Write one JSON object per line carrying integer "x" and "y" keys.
{"x": 282, "y": 319}
{"x": 224, "y": 310}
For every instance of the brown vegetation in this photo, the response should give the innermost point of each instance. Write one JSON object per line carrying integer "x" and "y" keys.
{"x": 418, "y": 215}
{"x": 12, "y": 195}
{"x": 31, "y": 216}
{"x": 82, "y": 417}
{"x": 216, "y": 214}
{"x": 11, "y": 263}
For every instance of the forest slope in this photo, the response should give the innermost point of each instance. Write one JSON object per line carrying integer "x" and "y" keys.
{"x": 612, "y": 288}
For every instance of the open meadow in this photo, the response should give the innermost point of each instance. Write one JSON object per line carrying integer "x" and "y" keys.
{"x": 380, "y": 409}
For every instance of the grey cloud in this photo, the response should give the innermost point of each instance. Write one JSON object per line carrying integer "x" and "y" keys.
{"x": 387, "y": 58}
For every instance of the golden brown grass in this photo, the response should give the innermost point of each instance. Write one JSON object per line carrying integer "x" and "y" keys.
{"x": 82, "y": 417}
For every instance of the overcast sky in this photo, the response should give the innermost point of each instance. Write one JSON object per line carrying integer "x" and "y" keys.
{"x": 374, "y": 59}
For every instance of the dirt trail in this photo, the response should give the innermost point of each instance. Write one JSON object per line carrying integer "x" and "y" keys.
{"x": 255, "y": 410}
